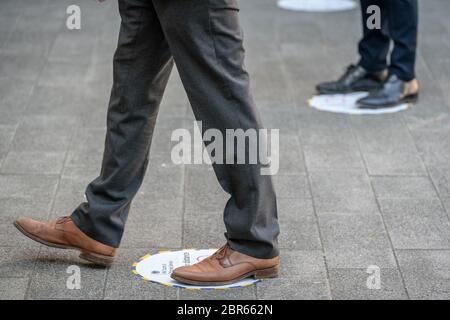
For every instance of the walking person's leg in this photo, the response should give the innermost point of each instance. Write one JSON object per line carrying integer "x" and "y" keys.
{"x": 206, "y": 41}
{"x": 142, "y": 65}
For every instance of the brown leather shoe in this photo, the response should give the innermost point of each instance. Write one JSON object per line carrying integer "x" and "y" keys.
{"x": 62, "y": 233}
{"x": 226, "y": 266}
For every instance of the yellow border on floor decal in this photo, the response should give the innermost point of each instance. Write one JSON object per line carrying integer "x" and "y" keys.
{"x": 171, "y": 285}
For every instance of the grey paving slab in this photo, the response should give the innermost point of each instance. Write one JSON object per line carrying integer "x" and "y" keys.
{"x": 6, "y": 136}
{"x": 203, "y": 230}
{"x": 330, "y": 144}
{"x": 343, "y": 192}
{"x": 303, "y": 275}
{"x": 17, "y": 262}
{"x": 356, "y": 284}
{"x": 13, "y": 288}
{"x": 121, "y": 284}
{"x": 292, "y": 186}
{"x": 416, "y": 223}
{"x": 203, "y": 192}
{"x": 24, "y": 162}
{"x": 426, "y": 273}
{"x": 403, "y": 187}
{"x": 441, "y": 179}
{"x": 154, "y": 223}
{"x": 25, "y": 191}
{"x": 52, "y": 273}
{"x": 43, "y": 133}
{"x": 355, "y": 241}
{"x": 14, "y": 98}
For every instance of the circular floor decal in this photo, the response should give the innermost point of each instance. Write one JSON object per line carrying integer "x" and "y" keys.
{"x": 317, "y": 5}
{"x": 158, "y": 266}
{"x": 346, "y": 103}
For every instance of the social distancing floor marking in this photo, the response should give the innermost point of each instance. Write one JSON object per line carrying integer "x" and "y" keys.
{"x": 346, "y": 103}
{"x": 317, "y": 5}
{"x": 157, "y": 267}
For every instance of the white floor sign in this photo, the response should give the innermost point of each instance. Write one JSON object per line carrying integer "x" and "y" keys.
{"x": 317, "y": 5}
{"x": 157, "y": 268}
{"x": 346, "y": 103}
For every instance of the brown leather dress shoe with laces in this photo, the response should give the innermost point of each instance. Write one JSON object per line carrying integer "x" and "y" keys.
{"x": 226, "y": 266}
{"x": 62, "y": 233}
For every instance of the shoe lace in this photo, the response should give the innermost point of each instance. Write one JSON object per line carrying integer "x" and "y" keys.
{"x": 219, "y": 254}
{"x": 348, "y": 71}
{"x": 62, "y": 220}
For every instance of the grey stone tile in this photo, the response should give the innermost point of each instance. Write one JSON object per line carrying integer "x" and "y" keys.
{"x": 441, "y": 179}
{"x": 25, "y": 67}
{"x": 203, "y": 191}
{"x": 14, "y": 98}
{"x": 17, "y": 262}
{"x": 355, "y": 241}
{"x": 394, "y": 164}
{"x": 290, "y": 156}
{"x": 59, "y": 73}
{"x": 293, "y": 289}
{"x": 342, "y": 192}
{"x": 403, "y": 187}
{"x": 43, "y": 133}
{"x": 33, "y": 162}
{"x": 426, "y": 273}
{"x": 25, "y": 192}
{"x": 121, "y": 284}
{"x": 203, "y": 230}
{"x": 49, "y": 280}
{"x": 416, "y": 223}
{"x": 13, "y": 238}
{"x": 329, "y": 143}
{"x": 351, "y": 284}
{"x": 299, "y": 233}
{"x": 13, "y": 288}
{"x": 292, "y": 186}
{"x": 6, "y": 136}
{"x": 154, "y": 223}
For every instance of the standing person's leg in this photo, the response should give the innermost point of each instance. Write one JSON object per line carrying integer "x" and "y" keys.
{"x": 142, "y": 64}
{"x": 375, "y": 44}
{"x": 206, "y": 41}
{"x": 403, "y": 28}
{"x": 371, "y": 70}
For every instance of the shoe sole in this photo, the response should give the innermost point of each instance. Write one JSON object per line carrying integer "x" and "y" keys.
{"x": 98, "y": 259}
{"x": 257, "y": 274}
{"x": 409, "y": 99}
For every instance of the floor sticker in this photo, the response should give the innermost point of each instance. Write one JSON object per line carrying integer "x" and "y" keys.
{"x": 158, "y": 266}
{"x": 317, "y": 5}
{"x": 346, "y": 103}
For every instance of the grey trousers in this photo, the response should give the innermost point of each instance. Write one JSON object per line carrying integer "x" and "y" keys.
{"x": 204, "y": 39}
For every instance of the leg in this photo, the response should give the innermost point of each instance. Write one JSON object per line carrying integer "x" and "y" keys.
{"x": 403, "y": 25}
{"x": 374, "y": 46}
{"x": 142, "y": 65}
{"x": 206, "y": 41}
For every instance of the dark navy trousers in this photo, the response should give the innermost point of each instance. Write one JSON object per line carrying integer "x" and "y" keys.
{"x": 399, "y": 25}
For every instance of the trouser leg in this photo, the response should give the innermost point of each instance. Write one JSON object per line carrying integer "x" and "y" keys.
{"x": 142, "y": 64}
{"x": 206, "y": 41}
{"x": 403, "y": 26}
{"x": 375, "y": 44}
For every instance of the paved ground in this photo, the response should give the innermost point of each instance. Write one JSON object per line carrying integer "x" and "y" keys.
{"x": 353, "y": 191}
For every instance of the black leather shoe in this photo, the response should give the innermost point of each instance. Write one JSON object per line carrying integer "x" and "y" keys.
{"x": 394, "y": 92}
{"x": 355, "y": 79}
